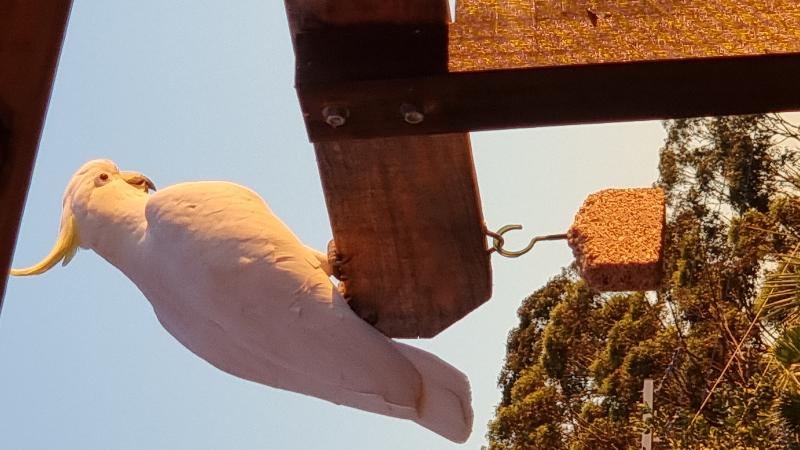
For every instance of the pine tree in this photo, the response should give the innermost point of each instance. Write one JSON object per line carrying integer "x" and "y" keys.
{"x": 576, "y": 362}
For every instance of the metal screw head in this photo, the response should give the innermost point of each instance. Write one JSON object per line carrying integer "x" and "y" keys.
{"x": 411, "y": 114}
{"x": 335, "y": 116}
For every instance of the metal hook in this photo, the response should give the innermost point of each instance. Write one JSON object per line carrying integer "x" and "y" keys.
{"x": 498, "y": 241}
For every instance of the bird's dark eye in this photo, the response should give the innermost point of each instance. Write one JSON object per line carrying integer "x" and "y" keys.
{"x": 104, "y": 176}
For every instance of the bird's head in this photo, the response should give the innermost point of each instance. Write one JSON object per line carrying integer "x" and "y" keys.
{"x": 99, "y": 180}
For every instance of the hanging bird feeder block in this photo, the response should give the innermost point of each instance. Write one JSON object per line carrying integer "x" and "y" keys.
{"x": 618, "y": 239}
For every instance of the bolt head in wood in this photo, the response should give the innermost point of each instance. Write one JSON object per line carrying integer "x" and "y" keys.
{"x": 335, "y": 116}
{"x": 411, "y": 114}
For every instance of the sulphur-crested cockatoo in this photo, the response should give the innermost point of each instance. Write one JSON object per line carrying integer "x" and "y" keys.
{"x": 234, "y": 285}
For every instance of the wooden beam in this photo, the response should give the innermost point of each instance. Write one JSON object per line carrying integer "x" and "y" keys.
{"x": 501, "y": 99}
{"x": 405, "y": 212}
{"x": 406, "y": 217}
{"x": 522, "y": 34}
{"x": 31, "y": 33}
{"x": 522, "y": 63}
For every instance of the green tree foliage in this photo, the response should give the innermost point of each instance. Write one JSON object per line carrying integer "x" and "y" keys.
{"x": 576, "y": 362}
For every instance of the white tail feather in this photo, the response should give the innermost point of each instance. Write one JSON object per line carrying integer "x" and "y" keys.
{"x": 445, "y": 405}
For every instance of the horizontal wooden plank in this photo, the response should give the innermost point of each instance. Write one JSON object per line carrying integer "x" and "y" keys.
{"x": 473, "y": 101}
{"x": 31, "y": 33}
{"x": 521, "y": 34}
{"x": 524, "y": 63}
{"x": 407, "y": 219}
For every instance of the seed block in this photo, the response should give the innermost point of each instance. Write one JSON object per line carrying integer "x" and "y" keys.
{"x": 618, "y": 237}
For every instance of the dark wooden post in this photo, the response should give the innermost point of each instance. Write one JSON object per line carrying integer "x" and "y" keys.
{"x": 31, "y": 33}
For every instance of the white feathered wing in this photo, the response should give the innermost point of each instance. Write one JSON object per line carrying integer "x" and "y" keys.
{"x": 232, "y": 283}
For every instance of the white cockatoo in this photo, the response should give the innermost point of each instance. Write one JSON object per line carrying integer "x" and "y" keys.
{"x": 234, "y": 285}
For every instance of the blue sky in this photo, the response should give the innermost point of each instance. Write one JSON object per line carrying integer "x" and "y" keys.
{"x": 198, "y": 90}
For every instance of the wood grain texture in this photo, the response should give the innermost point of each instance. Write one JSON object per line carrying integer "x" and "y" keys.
{"x": 407, "y": 219}
{"x": 508, "y": 34}
{"x": 31, "y": 33}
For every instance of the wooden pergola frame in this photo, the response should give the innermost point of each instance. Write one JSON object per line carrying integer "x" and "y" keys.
{"x": 368, "y": 63}
{"x": 389, "y": 89}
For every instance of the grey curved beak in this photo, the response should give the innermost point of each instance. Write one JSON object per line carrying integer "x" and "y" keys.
{"x": 138, "y": 181}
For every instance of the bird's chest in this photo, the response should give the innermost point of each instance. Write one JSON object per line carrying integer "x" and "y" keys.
{"x": 237, "y": 285}
{"x": 228, "y": 284}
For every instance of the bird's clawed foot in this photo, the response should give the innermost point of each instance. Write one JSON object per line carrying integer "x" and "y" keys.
{"x": 337, "y": 262}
